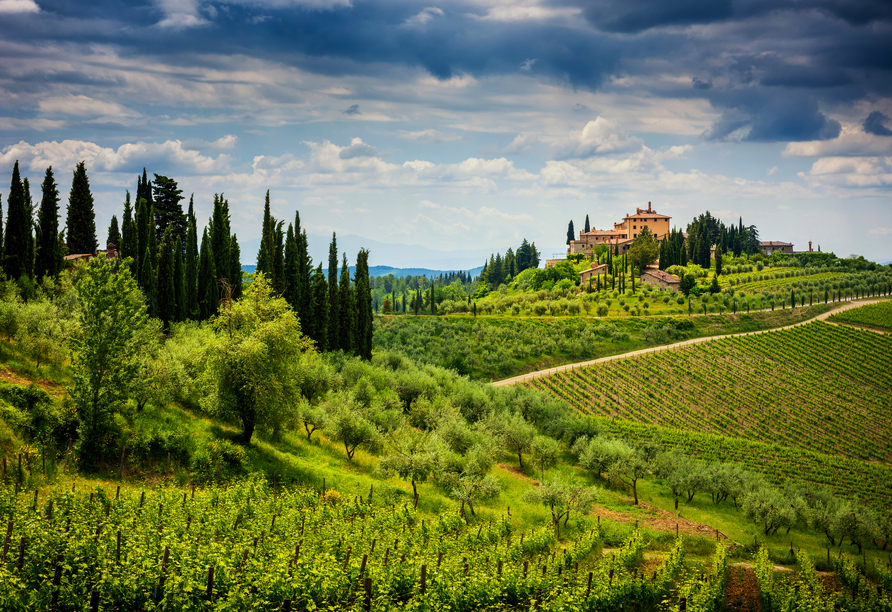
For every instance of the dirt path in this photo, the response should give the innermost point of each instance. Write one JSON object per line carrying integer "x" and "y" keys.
{"x": 569, "y": 366}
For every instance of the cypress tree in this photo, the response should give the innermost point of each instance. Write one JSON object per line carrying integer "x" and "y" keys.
{"x": 320, "y": 309}
{"x": 128, "y": 230}
{"x": 147, "y": 279}
{"x": 114, "y": 234}
{"x": 235, "y": 267}
{"x": 587, "y": 226}
{"x": 571, "y": 234}
{"x": 305, "y": 269}
{"x": 179, "y": 282}
{"x": 1, "y": 229}
{"x": 18, "y": 228}
{"x": 718, "y": 260}
{"x": 364, "y": 317}
{"x": 264, "y": 263}
{"x": 207, "y": 279}
{"x": 167, "y": 208}
{"x": 144, "y": 235}
{"x": 48, "y": 259}
{"x": 278, "y": 257}
{"x": 220, "y": 237}
{"x": 29, "y": 210}
{"x": 292, "y": 282}
{"x": 190, "y": 268}
{"x": 347, "y": 306}
{"x": 166, "y": 287}
{"x": 81, "y": 220}
{"x": 334, "y": 312}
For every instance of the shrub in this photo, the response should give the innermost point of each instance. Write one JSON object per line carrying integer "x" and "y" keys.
{"x": 222, "y": 454}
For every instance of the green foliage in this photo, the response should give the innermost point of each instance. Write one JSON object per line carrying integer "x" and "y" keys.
{"x": 872, "y": 315}
{"x": 103, "y": 355}
{"x": 81, "y": 220}
{"x": 251, "y": 370}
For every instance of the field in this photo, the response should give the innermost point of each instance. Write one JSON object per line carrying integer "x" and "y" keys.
{"x": 499, "y": 346}
{"x": 260, "y": 545}
{"x": 835, "y": 390}
{"x": 872, "y": 315}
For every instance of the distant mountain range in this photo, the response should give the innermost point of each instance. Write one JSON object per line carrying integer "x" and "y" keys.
{"x": 397, "y": 272}
{"x": 395, "y": 256}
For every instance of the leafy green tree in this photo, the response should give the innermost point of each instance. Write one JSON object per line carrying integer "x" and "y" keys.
{"x": 410, "y": 455}
{"x": 168, "y": 211}
{"x": 514, "y": 432}
{"x": 349, "y": 424}
{"x": 563, "y": 497}
{"x": 104, "y": 354}
{"x": 597, "y": 453}
{"x": 644, "y": 250}
{"x": 544, "y": 453}
{"x": 688, "y": 282}
{"x": 768, "y": 508}
{"x": 48, "y": 258}
{"x": 629, "y": 465}
{"x": 364, "y": 316}
{"x": 468, "y": 477}
{"x": 18, "y": 228}
{"x": 81, "y": 219}
{"x": 41, "y": 333}
{"x": 252, "y": 369}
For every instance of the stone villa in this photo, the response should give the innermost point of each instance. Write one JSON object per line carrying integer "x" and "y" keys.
{"x": 623, "y": 233}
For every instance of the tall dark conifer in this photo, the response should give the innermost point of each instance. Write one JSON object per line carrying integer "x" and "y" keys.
{"x": 128, "y": 230}
{"x": 220, "y": 236}
{"x": 320, "y": 309}
{"x": 147, "y": 277}
{"x": 291, "y": 280}
{"x": 166, "y": 287}
{"x": 264, "y": 259}
{"x": 167, "y": 208}
{"x": 179, "y": 284}
{"x": 278, "y": 257}
{"x": 48, "y": 258}
{"x": 235, "y": 267}
{"x": 32, "y": 245}
{"x": 18, "y": 228}
{"x": 190, "y": 267}
{"x": 334, "y": 312}
{"x": 305, "y": 271}
{"x": 208, "y": 295}
{"x": 364, "y": 316}
{"x": 144, "y": 235}
{"x": 114, "y": 233}
{"x": 588, "y": 227}
{"x": 347, "y": 307}
{"x": 81, "y": 220}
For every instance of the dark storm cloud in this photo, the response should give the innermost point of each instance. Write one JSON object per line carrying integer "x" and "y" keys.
{"x": 770, "y": 68}
{"x": 353, "y": 110}
{"x": 876, "y": 124}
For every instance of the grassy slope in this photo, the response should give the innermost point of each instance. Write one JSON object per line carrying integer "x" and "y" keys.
{"x": 435, "y": 339}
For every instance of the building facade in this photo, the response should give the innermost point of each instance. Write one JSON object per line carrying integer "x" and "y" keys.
{"x": 773, "y": 246}
{"x": 623, "y": 233}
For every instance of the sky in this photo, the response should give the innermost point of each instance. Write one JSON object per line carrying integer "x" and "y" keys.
{"x": 464, "y": 126}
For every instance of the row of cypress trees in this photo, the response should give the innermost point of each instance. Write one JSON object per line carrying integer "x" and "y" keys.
{"x": 333, "y": 311}
{"x": 34, "y": 248}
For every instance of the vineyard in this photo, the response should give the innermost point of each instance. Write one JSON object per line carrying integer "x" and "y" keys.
{"x": 815, "y": 387}
{"x": 872, "y": 315}
{"x": 253, "y": 547}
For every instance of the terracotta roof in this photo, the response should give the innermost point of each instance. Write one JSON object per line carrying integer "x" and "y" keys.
{"x": 663, "y": 276}
{"x": 77, "y": 256}
{"x": 775, "y": 243}
{"x": 644, "y": 215}
{"x": 595, "y": 232}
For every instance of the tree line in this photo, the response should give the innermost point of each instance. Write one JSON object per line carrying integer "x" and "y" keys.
{"x": 182, "y": 277}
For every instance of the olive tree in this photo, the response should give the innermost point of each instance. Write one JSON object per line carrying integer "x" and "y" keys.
{"x": 252, "y": 366}
{"x": 411, "y": 455}
{"x": 562, "y": 497}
